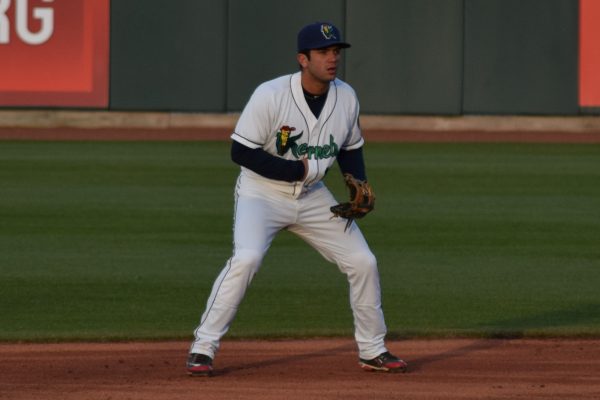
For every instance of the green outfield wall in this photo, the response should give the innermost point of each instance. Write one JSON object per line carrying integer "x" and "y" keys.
{"x": 423, "y": 57}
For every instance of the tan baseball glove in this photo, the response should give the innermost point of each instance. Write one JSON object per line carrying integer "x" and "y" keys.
{"x": 362, "y": 201}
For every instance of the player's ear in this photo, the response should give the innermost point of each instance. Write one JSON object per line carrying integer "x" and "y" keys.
{"x": 302, "y": 60}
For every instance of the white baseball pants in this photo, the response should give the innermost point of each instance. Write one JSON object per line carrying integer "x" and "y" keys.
{"x": 259, "y": 215}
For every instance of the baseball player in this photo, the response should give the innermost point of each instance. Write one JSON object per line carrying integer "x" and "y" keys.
{"x": 289, "y": 134}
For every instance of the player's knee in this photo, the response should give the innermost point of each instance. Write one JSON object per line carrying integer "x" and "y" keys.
{"x": 247, "y": 260}
{"x": 364, "y": 262}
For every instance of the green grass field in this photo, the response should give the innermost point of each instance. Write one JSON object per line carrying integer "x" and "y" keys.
{"x": 116, "y": 241}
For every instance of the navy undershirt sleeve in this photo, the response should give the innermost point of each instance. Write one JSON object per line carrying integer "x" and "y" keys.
{"x": 352, "y": 162}
{"x": 266, "y": 164}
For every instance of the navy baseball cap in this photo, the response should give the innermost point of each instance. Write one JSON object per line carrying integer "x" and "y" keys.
{"x": 320, "y": 35}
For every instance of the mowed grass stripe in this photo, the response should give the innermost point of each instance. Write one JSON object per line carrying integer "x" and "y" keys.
{"x": 115, "y": 241}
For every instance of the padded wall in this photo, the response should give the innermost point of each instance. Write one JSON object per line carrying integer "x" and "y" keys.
{"x": 521, "y": 57}
{"x": 168, "y": 55}
{"x": 407, "y": 55}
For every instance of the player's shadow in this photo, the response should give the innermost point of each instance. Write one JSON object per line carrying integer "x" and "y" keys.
{"x": 416, "y": 364}
{"x": 284, "y": 360}
{"x": 582, "y": 315}
{"x": 497, "y": 332}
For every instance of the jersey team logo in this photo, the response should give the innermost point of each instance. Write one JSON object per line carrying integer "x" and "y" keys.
{"x": 285, "y": 140}
{"x": 327, "y": 31}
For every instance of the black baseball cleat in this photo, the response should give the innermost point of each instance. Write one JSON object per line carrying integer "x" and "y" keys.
{"x": 199, "y": 365}
{"x": 385, "y": 362}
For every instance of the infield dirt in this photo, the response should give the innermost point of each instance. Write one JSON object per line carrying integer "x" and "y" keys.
{"x": 298, "y": 369}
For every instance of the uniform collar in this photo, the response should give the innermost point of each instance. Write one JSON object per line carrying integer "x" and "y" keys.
{"x": 298, "y": 94}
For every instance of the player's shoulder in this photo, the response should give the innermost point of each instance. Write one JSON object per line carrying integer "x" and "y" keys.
{"x": 344, "y": 87}
{"x": 345, "y": 93}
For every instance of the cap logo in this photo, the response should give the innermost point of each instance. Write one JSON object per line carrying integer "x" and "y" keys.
{"x": 327, "y": 31}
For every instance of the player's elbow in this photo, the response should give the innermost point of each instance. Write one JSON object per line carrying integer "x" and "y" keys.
{"x": 233, "y": 153}
{"x": 237, "y": 152}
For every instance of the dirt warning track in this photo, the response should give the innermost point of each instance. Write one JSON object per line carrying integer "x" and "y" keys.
{"x": 112, "y": 125}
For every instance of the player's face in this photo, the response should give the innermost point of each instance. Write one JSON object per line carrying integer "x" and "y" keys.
{"x": 321, "y": 67}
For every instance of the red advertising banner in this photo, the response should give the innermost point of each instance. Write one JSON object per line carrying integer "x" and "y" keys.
{"x": 54, "y": 53}
{"x": 589, "y": 53}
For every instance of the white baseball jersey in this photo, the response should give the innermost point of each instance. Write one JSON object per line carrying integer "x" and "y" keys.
{"x": 278, "y": 120}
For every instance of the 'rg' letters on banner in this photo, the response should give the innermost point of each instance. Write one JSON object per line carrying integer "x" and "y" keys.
{"x": 44, "y": 14}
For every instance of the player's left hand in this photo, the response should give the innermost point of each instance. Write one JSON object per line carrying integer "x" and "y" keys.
{"x": 362, "y": 200}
